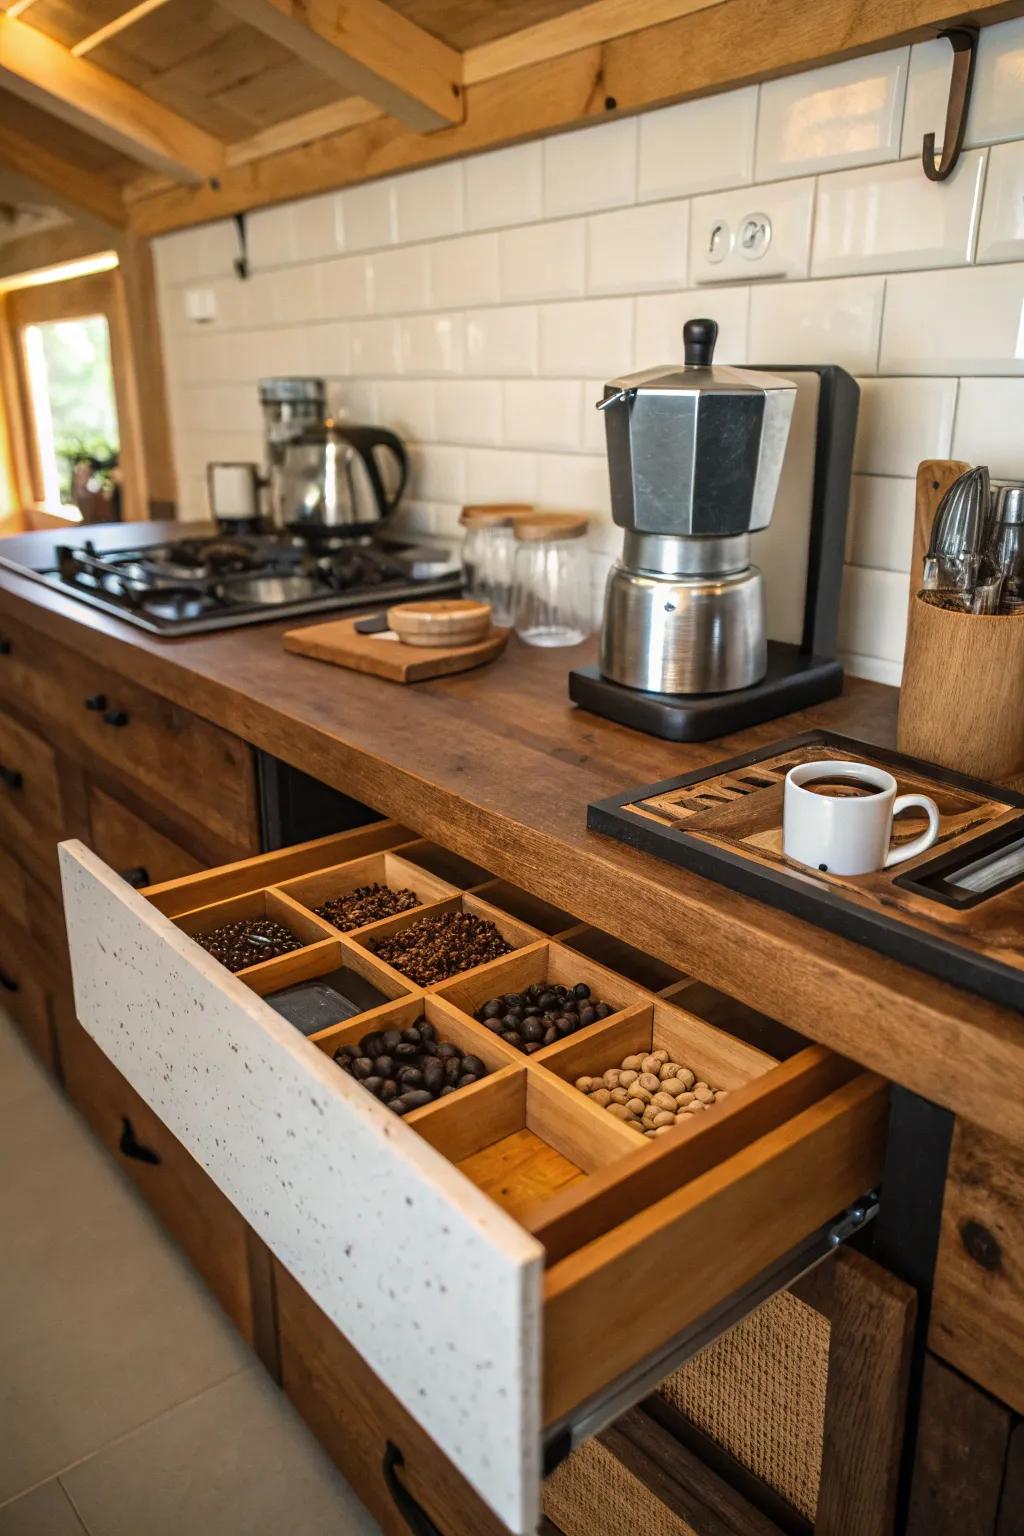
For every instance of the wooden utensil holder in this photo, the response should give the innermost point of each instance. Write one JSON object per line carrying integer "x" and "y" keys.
{"x": 962, "y": 696}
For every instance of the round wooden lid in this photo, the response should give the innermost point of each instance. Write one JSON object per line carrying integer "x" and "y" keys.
{"x": 498, "y": 514}
{"x": 549, "y": 526}
{"x": 441, "y": 621}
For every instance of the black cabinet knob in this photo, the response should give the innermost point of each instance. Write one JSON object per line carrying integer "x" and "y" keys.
{"x": 8, "y": 983}
{"x": 132, "y": 1147}
{"x": 116, "y": 717}
{"x": 96, "y": 702}
{"x": 137, "y": 877}
{"x": 11, "y": 777}
{"x": 5, "y": 647}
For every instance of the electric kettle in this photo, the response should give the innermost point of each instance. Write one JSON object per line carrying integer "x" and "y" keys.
{"x": 336, "y": 477}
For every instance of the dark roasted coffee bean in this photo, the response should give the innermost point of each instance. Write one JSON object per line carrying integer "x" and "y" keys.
{"x": 247, "y": 942}
{"x": 532, "y": 1009}
{"x": 531, "y": 1046}
{"x": 473, "y": 1064}
{"x": 516, "y": 1016}
{"x": 565, "y": 1025}
{"x": 427, "y": 1031}
{"x": 547, "y": 1001}
{"x": 362, "y": 1067}
{"x": 492, "y": 1010}
{"x": 513, "y": 1000}
{"x": 389, "y": 1091}
{"x": 366, "y": 904}
{"x": 409, "y": 1077}
{"x": 416, "y": 1098}
{"x": 512, "y": 1037}
{"x": 373, "y": 1045}
{"x": 467, "y": 1080}
{"x": 392, "y": 1037}
{"x": 494, "y": 1025}
{"x": 532, "y": 1029}
{"x": 452, "y": 1069}
{"x": 581, "y": 989}
{"x": 445, "y": 1049}
{"x": 384, "y": 1066}
{"x": 412, "y": 1036}
{"x": 433, "y": 1076}
{"x": 373, "y": 1085}
{"x": 405, "y": 1052}
{"x": 550, "y": 1035}
{"x": 448, "y": 1088}
{"x": 587, "y": 1016}
{"x": 604, "y": 1010}
{"x": 436, "y": 947}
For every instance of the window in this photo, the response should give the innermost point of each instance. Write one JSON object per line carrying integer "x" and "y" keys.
{"x": 74, "y": 410}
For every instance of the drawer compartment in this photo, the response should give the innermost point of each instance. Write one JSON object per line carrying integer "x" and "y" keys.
{"x": 30, "y": 803}
{"x": 473, "y": 1248}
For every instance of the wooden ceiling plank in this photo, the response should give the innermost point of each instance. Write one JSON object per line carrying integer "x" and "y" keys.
{"x": 70, "y": 184}
{"x": 119, "y": 24}
{"x": 371, "y": 50}
{"x": 596, "y": 23}
{"x": 44, "y": 72}
{"x": 296, "y": 131}
{"x": 697, "y": 55}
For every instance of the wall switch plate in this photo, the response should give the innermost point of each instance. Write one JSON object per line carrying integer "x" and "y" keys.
{"x": 200, "y": 306}
{"x": 752, "y": 234}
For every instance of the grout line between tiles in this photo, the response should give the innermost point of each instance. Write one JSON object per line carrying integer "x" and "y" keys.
{"x": 74, "y": 1507}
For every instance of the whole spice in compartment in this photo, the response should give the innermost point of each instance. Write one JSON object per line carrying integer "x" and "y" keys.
{"x": 541, "y": 1014}
{"x": 651, "y": 1092}
{"x": 440, "y": 946}
{"x": 248, "y": 942}
{"x": 366, "y": 904}
{"x": 407, "y": 1068}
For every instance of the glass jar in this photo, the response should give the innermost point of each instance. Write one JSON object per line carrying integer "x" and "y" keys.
{"x": 488, "y": 556}
{"x": 551, "y": 604}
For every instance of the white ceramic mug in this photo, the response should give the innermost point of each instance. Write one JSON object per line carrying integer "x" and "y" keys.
{"x": 848, "y": 834}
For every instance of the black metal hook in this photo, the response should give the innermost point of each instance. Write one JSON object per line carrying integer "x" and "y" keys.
{"x": 241, "y": 262}
{"x": 964, "y": 41}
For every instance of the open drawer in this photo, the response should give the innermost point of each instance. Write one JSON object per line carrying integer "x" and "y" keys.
{"x": 507, "y": 1255}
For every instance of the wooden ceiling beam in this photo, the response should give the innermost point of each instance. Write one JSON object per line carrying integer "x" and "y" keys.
{"x": 371, "y": 50}
{"x": 44, "y": 72}
{"x": 115, "y": 26}
{"x": 70, "y": 185}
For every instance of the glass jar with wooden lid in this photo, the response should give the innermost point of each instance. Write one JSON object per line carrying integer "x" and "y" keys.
{"x": 551, "y": 604}
{"x": 488, "y": 554}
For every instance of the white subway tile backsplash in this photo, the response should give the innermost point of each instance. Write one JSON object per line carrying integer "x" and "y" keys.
{"x": 1001, "y": 237}
{"x": 583, "y": 338}
{"x": 891, "y": 218}
{"x": 970, "y": 320}
{"x": 637, "y": 248}
{"x": 271, "y": 237}
{"x": 368, "y": 215}
{"x": 543, "y": 261}
{"x": 496, "y": 475}
{"x": 344, "y": 287}
{"x": 873, "y": 613}
{"x": 990, "y": 425}
{"x": 591, "y": 168}
{"x": 406, "y": 407}
{"x": 821, "y": 322}
{"x": 721, "y": 223}
{"x": 997, "y": 97}
{"x": 592, "y": 438}
{"x": 468, "y": 411}
{"x": 660, "y": 319}
{"x": 327, "y": 351}
{"x": 502, "y": 343}
{"x": 698, "y": 146}
{"x": 428, "y": 202}
{"x": 542, "y": 413}
{"x": 432, "y": 344}
{"x": 505, "y": 187}
{"x": 901, "y": 422}
{"x": 319, "y": 226}
{"x": 464, "y": 271}
{"x": 375, "y": 347}
{"x": 843, "y": 114}
{"x": 574, "y": 482}
{"x": 437, "y": 473}
{"x": 881, "y": 526}
{"x": 398, "y": 281}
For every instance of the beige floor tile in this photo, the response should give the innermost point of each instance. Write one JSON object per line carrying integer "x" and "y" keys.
{"x": 21, "y": 1072}
{"x": 103, "y": 1325}
{"x": 236, "y": 1461}
{"x": 45, "y": 1511}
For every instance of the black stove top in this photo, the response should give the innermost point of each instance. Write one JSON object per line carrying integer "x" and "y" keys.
{"x": 190, "y": 584}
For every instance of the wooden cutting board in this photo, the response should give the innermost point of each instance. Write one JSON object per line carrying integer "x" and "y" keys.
{"x": 339, "y": 642}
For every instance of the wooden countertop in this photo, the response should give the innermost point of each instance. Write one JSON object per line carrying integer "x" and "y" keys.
{"x": 498, "y": 766}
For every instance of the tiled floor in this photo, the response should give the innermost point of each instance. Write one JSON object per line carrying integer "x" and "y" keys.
{"x": 128, "y": 1407}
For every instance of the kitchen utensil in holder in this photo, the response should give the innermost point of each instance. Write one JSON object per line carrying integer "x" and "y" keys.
{"x": 962, "y": 697}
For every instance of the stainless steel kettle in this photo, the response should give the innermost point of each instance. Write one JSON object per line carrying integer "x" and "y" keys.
{"x": 335, "y": 476}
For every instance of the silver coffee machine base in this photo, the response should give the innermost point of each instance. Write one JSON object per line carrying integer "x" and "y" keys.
{"x": 793, "y": 680}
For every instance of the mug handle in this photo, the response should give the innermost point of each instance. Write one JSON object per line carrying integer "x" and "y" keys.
{"x": 911, "y": 850}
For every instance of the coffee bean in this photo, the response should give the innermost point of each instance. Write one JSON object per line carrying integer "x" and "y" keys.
{"x": 512, "y": 1037}
{"x": 412, "y": 1036}
{"x": 542, "y": 1013}
{"x": 433, "y": 1076}
{"x": 373, "y": 1045}
{"x": 247, "y": 942}
{"x": 373, "y": 1085}
{"x": 409, "y": 1077}
{"x": 366, "y": 904}
{"x": 392, "y": 1037}
{"x": 404, "y": 1051}
{"x": 362, "y": 1067}
{"x": 384, "y": 1066}
{"x": 475, "y": 1065}
{"x": 434, "y": 948}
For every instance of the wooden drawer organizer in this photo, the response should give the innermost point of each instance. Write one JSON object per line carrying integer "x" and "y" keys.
{"x": 473, "y": 1251}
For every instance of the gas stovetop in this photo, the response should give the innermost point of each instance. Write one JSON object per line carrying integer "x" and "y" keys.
{"x": 192, "y": 584}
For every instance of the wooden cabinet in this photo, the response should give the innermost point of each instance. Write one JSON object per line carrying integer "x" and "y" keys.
{"x": 23, "y": 990}
{"x": 31, "y": 820}
{"x": 140, "y": 854}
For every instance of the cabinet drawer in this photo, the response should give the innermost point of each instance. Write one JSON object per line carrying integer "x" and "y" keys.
{"x": 30, "y": 804}
{"x": 186, "y": 1200}
{"x": 138, "y": 852}
{"x": 23, "y": 990}
{"x": 509, "y": 1255}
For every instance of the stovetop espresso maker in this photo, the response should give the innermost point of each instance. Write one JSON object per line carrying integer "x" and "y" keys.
{"x": 696, "y": 458}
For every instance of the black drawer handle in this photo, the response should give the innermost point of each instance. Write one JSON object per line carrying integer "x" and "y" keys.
{"x": 116, "y": 717}
{"x": 5, "y": 647}
{"x": 11, "y": 777}
{"x": 414, "y": 1515}
{"x": 8, "y": 983}
{"x": 137, "y": 877}
{"x": 96, "y": 702}
{"x": 132, "y": 1147}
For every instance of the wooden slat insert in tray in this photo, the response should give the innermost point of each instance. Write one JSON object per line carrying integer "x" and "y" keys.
{"x": 726, "y": 823}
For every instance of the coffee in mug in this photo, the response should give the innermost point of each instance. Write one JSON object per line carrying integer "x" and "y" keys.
{"x": 837, "y": 818}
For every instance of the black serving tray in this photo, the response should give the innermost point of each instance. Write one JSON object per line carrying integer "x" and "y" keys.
{"x": 904, "y": 912}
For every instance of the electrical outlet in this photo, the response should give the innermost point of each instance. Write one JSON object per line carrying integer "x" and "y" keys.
{"x": 200, "y": 306}
{"x": 752, "y": 233}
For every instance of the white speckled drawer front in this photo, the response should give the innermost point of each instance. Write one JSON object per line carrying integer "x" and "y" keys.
{"x": 437, "y": 1287}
